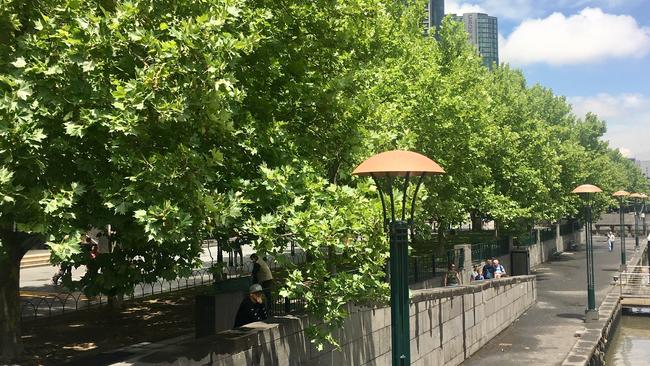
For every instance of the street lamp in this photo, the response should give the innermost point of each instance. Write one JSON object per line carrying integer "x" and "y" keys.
{"x": 621, "y": 197}
{"x": 385, "y": 168}
{"x": 587, "y": 192}
{"x": 637, "y": 197}
{"x": 645, "y": 196}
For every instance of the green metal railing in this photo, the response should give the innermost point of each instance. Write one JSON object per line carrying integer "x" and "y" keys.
{"x": 569, "y": 228}
{"x": 495, "y": 248}
{"x": 547, "y": 234}
{"x": 421, "y": 268}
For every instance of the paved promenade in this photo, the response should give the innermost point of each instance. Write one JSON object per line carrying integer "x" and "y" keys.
{"x": 544, "y": 335}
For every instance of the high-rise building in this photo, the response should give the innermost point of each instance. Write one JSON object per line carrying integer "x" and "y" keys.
{"x": 644, "y": 165}
{"x": 435, "y": 11}
{"x": 484, "y": 34}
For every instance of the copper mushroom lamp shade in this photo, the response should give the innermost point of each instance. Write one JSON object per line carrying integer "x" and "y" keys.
{"x": 587, "y": 188}
{"x": 387, "y": 166}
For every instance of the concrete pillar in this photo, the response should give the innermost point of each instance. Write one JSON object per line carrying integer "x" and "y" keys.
{"x": 467, "y": 263}
{"x": 540, "y": 248}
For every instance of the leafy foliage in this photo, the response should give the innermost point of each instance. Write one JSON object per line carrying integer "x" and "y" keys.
{"x": 186, "y": 119}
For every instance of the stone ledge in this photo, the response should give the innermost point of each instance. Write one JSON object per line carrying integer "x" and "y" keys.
{"x": 478, "y": 286}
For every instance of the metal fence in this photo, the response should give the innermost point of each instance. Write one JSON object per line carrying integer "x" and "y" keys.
{"x": 285, "y": 306}
{"x": 569, "y": 227}
{"x": 491, "y": 249}
{"x": 634, "y": 282}
{"x": 421, "y": 268}
{"x": 49, "y": 304}
{"x": 547, "y": 234}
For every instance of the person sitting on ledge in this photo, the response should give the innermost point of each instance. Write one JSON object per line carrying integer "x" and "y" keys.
{"x": 499, "y": 271}
{"x": 252, "y": 308}
{"x": 476, "y": 274}
{"x": 488, "y": 269}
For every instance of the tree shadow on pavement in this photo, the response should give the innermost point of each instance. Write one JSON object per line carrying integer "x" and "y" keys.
{"x": 64, "y": 338}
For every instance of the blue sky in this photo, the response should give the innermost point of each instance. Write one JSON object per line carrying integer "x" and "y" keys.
{"x": 594, "y": 52}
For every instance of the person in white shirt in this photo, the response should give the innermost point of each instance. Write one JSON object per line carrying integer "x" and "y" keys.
{"x": 499, "y": 271}
{"x": 610, "y": 241}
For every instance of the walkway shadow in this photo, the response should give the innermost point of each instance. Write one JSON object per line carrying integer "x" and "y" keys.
{"x": 570, "y": 316}
{"x": 562, "y": 258}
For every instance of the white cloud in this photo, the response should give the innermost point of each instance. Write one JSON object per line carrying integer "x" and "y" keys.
{"x": 628, "y": 120}
{"x": 587, "y": 37}
{"x": 504, "y": 9}
{"x": 524, "y": 9}
{"x": 625, "y": 152}
{"x": 454, "y": 7}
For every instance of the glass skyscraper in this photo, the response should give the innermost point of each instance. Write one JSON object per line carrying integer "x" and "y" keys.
{"x": 435, "y": 11}
{"x": 483, "y": 33}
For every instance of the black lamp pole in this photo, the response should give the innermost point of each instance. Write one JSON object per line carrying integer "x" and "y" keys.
{"x": 587, "y": 191}
{"x": 384, "y": 168}
{"x": 621, "y": 195}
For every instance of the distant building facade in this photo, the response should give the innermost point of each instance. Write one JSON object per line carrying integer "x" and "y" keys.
{"x": 435, "y": 11}
{"x": 483, "y": 32}
{"x": 644, "y": 165}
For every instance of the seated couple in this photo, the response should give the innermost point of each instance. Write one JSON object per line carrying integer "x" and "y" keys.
{"x": 491, "y": 269}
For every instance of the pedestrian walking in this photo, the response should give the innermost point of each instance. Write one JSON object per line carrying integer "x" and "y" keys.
{"x": 65, "y": 270}
{"x": 610, "y": 241}
{"x": 452, "y": 278}
{"x": 235, "y": 243}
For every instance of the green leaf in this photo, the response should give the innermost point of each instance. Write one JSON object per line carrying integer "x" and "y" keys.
{"x": 19, "y": 63}
{"x": 24, "y": 92}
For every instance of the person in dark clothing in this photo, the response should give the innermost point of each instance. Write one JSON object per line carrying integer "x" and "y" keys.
{"x": 64, "y": 269}
{"x": 253, "y": 308}
{"x": 488, "y": 269}
{"x": 235, "y": 243}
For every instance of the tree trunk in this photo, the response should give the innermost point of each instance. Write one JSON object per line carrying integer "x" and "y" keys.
{"x": 440, "y": 250}
{"x": 116, "y": 302}
{"x": 477, "y": 223}
{"x": 11, "y": 345}
{"x": 13, "y": 246}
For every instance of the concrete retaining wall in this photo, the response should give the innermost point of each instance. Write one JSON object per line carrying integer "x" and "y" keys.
{"x": 447, "y": 326}
{"x": 541, "y": 252}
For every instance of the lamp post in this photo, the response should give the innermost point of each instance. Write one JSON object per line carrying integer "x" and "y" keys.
{"x": 643, "y": 198}
{"x": 637, "y": 197}
{"x": 385, "y": 168}
{"x": 587, "y": 192}
{"x": 621, "y": 197}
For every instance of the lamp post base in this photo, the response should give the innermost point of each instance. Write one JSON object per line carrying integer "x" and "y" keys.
{"x": 591, "y": 316}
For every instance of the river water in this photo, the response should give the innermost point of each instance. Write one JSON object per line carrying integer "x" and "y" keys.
{"x": 630, "y": 345}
